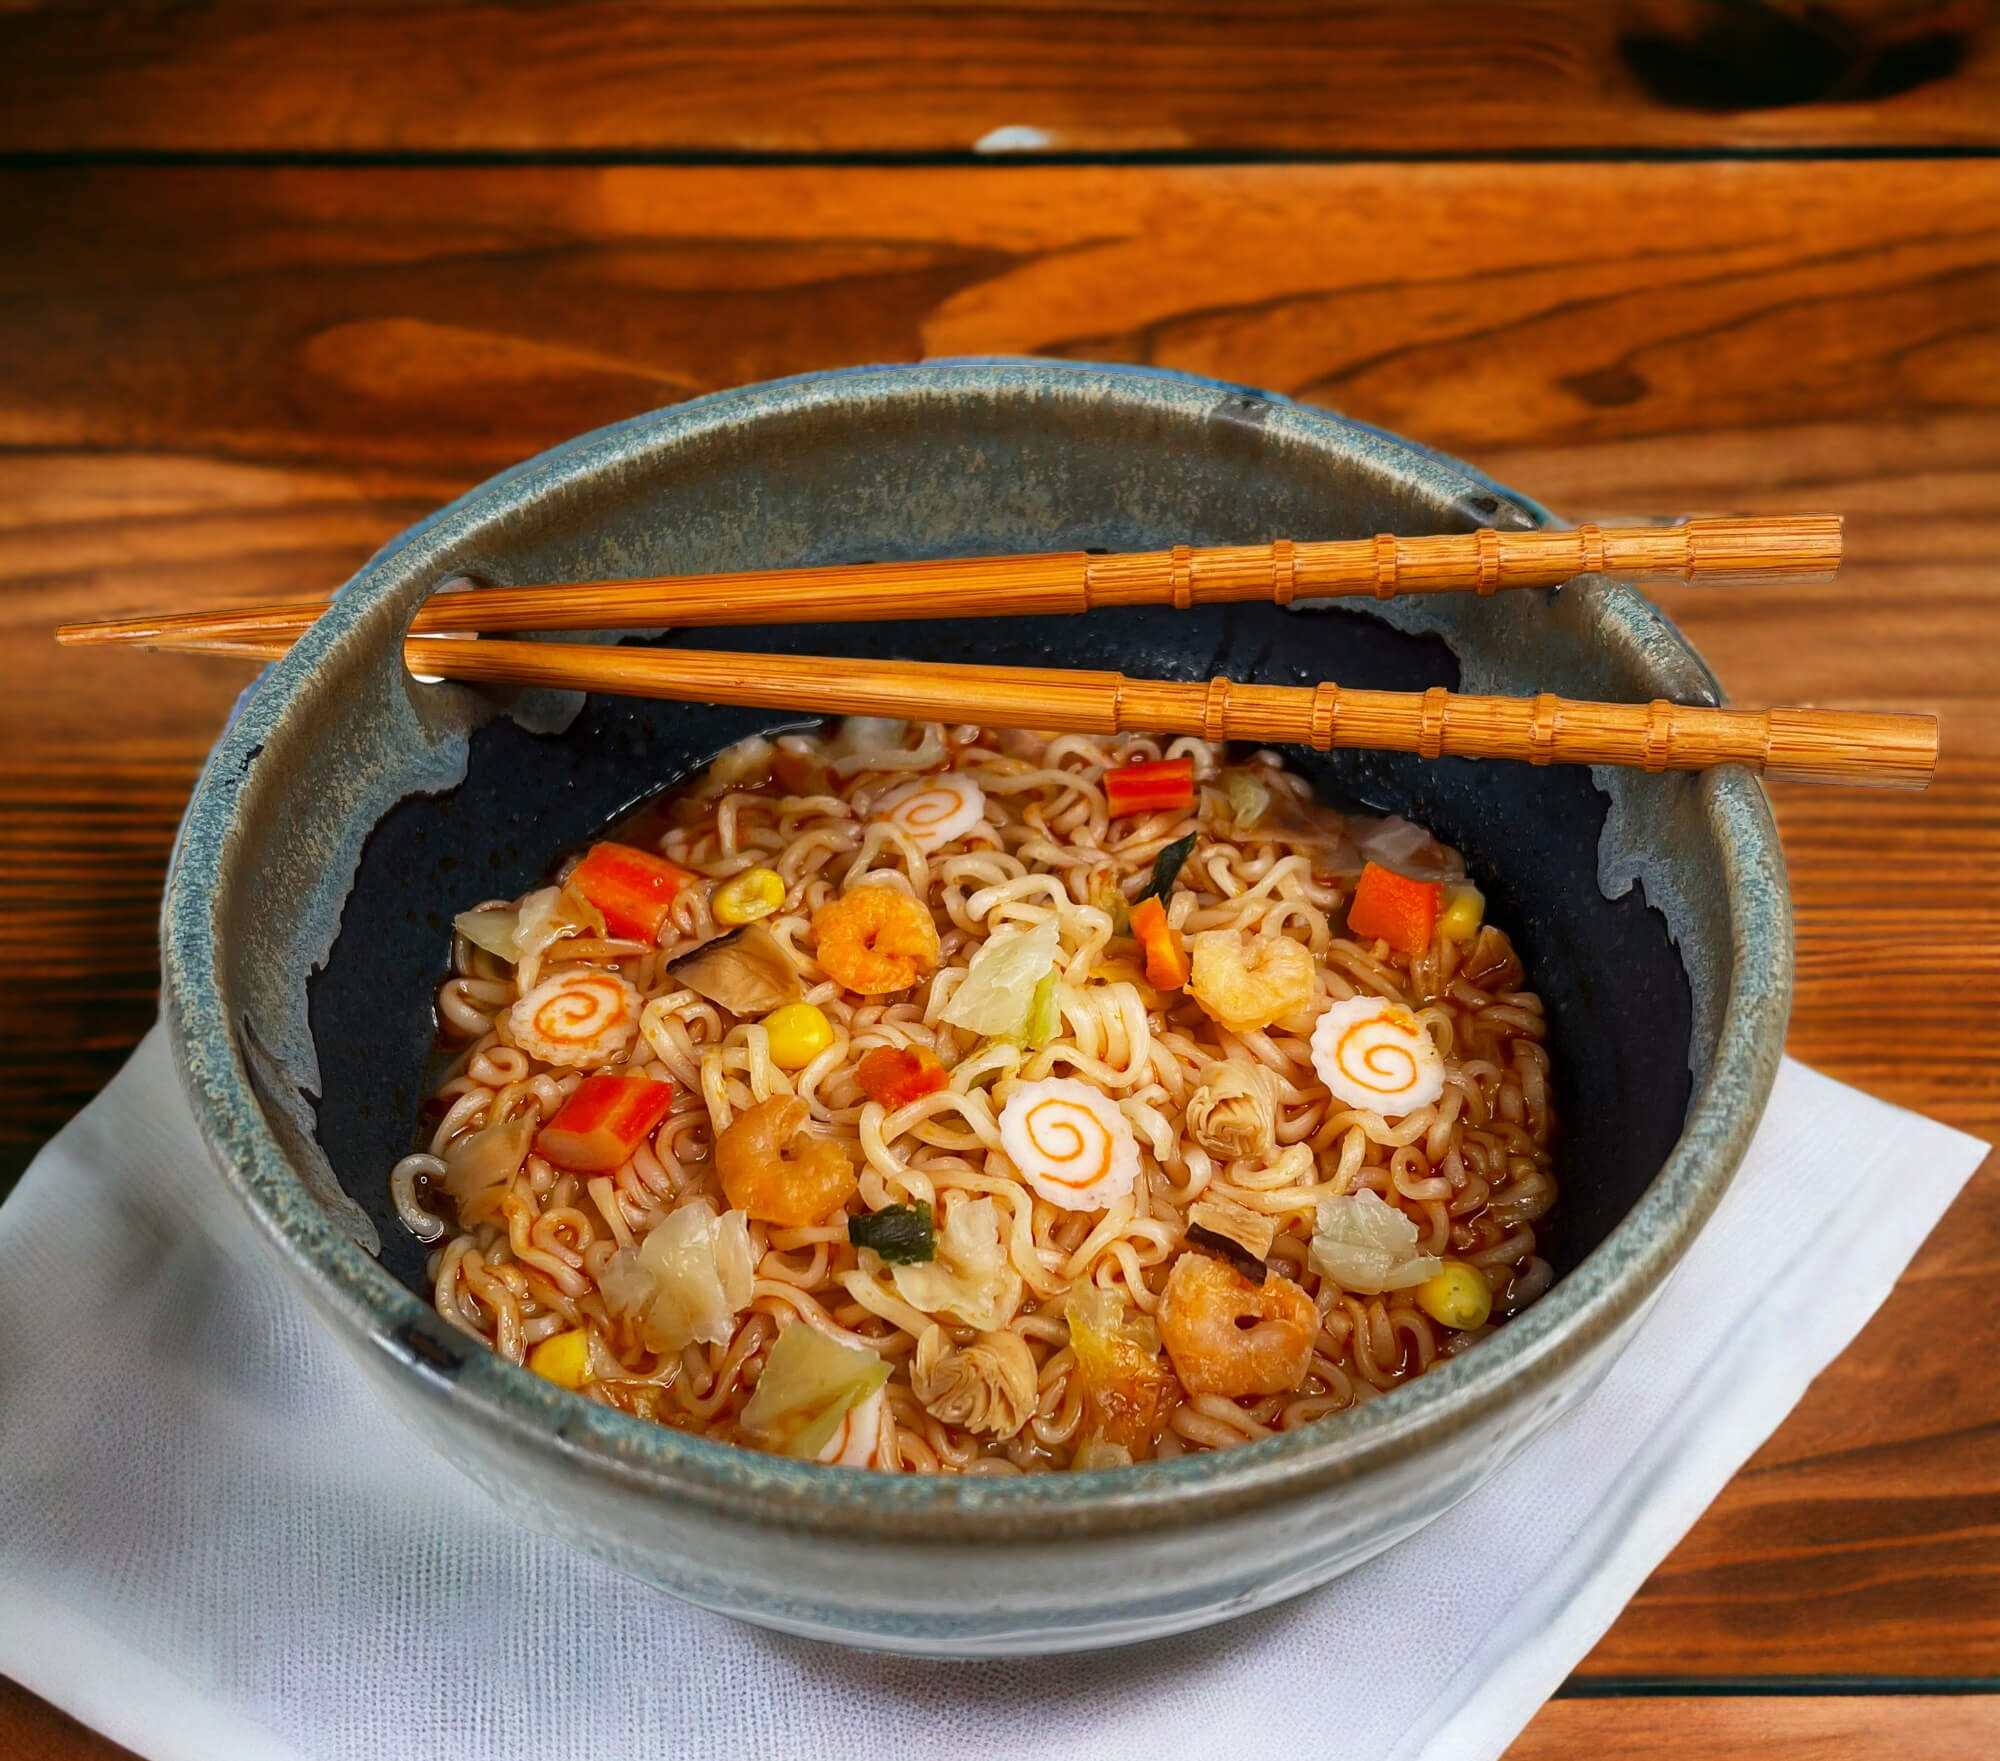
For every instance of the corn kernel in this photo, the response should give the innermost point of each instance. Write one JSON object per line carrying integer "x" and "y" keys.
{"x": 1456, "y": 1296}
{"x": 754, "y": 893}
{"x": 798, "y": 1034}
{"x": 1464, "y": 911}
{"x": 563, "y": 1358}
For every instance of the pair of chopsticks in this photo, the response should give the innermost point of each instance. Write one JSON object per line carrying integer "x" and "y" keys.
{"x": 1800, "y": 744}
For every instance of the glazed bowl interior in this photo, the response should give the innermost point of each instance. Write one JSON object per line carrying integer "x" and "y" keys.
{"x": 350, "y": 811}
{"x": 529, "y": 798}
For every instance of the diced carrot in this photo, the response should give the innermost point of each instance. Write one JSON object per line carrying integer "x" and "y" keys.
{"x": 1166, "y": 953}
{"x": 603, "y": 1122}
{"x": 1392, "y": 908}
{"x": 634, "y": 889}
{"x": 1149, "y": 788}
{"x": 898, "y": 1075}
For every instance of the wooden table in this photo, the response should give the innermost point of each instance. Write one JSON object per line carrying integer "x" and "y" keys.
{"x": 281, "y": 278}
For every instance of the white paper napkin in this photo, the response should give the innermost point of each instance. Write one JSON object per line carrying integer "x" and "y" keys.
{"x": 216, "y": 1545}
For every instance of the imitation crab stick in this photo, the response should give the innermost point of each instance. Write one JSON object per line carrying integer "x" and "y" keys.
{"x": 1150, "y": 788}
{"x": 1392, "y": 908}
{"x": 632, "y": 888}
{"x": 603, "y": 1122}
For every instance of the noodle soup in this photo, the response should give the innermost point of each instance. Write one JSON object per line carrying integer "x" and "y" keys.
{"x": 949, "y": 1100}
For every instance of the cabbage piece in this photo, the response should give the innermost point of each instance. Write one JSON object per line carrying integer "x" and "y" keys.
{"x": 546, "y": 917}
{"x": 967, "y": 1277}
{"x": 1400, "y": 844}
{"x": 1093, "y": 1455}
{"x": 687, "y": 1281}
{"x": 551, "y": 913}
{"x": 867, "y": 733}
{"x": 1100, "y": 1319}
{"x": 868, "y": 742}
{"x": 496, "y": 929}
{"x": 1249, "y": 799}
{"x": 1044, "y": 1013}
{"x": 1125, "y": 1381}
{"x": 1368, "y": 1246}
{"x": 997, "y": 995}
{"x": 1109, "y": 897}
{"x": 808, "y": 1386}
{"x": 742, "y": 766}
{"x": 487, "y": 1158}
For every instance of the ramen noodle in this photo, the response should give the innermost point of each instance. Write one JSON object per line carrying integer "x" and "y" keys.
{"x": 936, "y": 1099}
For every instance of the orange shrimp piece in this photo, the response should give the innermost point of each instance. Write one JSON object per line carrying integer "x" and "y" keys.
{"x": 1228, "y": 1336}
{"x": 875, "y": 940}
{"x": 770, "y": 1172}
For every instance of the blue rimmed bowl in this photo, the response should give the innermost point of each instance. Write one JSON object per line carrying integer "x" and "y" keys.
{"x": 348, "y": 811}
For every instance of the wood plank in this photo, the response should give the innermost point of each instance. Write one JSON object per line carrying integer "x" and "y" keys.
{"x": 90, "y": 796}
{"x": 1907, "y": 625}
{"x": 429, "y": 318}
{"x": 1789, "y": 1728}
{"x": 224, "y": 385}
{"x": 819, "y": 76}
{"x": 1865, "y": 1535}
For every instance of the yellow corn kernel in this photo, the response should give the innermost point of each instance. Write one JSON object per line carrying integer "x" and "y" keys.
{"x": 799, "y": 1033}
{"x": 754, "y": 893}
{"x": 1456, "y": 1296}
{"x": 1464, "y": 911}
{"x": 563, "y": 1358}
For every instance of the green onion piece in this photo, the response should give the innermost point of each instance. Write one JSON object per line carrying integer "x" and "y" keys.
{"x": 1167, "y": 866}
{"x": 901, "y": 1234}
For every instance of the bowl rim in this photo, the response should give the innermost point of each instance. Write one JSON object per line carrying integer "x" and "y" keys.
{"x": 1527, "y": 1358}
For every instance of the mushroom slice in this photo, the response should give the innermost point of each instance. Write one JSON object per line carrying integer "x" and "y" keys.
{"x": 746, "y": 971}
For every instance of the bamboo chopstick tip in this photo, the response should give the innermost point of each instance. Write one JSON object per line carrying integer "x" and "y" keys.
{"x": 1801, "y": 549}
{"x": 1874, "y": 748}
{"x": 86, "y": 635}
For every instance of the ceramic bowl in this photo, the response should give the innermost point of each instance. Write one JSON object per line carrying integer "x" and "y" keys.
{"x": 348, "y": 811}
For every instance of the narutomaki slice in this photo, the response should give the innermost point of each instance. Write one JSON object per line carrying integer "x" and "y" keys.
{"x": 1070, "y": 1142}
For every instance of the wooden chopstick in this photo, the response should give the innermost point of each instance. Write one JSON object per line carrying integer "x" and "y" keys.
{"x": 1800, "y": 745}
{"x": 1799, "y": 548}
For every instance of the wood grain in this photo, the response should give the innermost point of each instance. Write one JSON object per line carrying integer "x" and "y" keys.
{"x": 819, "y": 76}
{"x": 451, "y": 321}
{"x": 33, "y": 1730}
{"x": 99, "y": 760}
{"x": 225, "y": 386}
{"x": 1834, "y": 1728}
